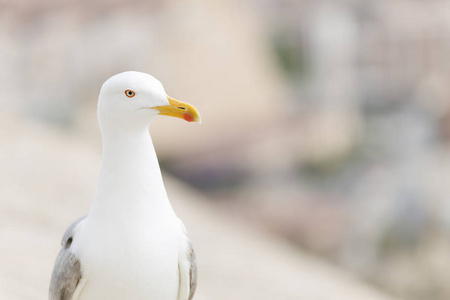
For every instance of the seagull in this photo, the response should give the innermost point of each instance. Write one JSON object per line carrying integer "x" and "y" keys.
{"x": 131, "y": 245}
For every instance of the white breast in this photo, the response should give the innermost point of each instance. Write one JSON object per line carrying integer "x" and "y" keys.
{"x": 113, "y": 271}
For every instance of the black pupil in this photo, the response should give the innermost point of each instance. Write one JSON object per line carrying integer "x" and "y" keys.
{"x": 130, "y": 93}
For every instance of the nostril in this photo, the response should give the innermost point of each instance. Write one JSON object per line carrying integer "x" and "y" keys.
{"x": 181, "y": 107}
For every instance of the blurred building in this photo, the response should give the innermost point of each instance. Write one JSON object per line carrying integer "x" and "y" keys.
{"x": 357, "y": 170}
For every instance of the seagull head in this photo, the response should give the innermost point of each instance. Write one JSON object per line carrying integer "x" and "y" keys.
{"x": 131, "y": 99}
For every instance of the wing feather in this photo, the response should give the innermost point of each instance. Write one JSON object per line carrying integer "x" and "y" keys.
{"x": 187, "y": 268}
{"x": 67, "y": 270}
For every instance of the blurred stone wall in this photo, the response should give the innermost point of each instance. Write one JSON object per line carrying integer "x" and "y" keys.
{"x": 358, "y": 170}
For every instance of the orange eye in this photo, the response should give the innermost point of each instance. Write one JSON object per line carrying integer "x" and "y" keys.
{"x": 130, "y": 93}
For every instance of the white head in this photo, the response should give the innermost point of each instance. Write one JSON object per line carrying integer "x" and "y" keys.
{"x": 132, "y": 99}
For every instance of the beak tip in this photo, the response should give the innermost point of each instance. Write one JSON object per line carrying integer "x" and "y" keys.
{"x": 192, "y": 118}
{"x": 198, "y": 119}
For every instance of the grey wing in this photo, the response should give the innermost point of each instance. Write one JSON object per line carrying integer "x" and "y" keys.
{"x": 67, "y": 270}
{"x": 187, "y": 268}
{"x": 192, "y": 272}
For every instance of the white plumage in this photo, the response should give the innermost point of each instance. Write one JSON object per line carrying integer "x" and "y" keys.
{"x": 131, "y": 245}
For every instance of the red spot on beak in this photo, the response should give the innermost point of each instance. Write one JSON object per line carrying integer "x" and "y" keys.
{"x": 188, "y": 117}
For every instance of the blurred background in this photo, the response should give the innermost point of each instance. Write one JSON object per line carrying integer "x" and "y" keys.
{"x": 326, "y": 125}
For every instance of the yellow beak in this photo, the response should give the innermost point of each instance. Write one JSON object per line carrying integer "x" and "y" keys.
{"x": 180, "y": 110}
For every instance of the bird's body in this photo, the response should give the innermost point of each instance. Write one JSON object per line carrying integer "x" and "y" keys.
{"x": 131, "y": 245}
{"x": 147, "y": 223}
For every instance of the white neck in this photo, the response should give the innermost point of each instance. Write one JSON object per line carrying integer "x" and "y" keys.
{"x": 130, "y": 185}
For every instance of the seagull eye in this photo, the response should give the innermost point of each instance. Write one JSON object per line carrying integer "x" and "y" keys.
{"x": 130, "y": 93}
